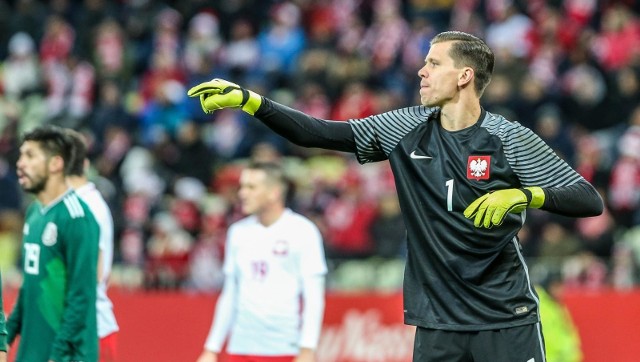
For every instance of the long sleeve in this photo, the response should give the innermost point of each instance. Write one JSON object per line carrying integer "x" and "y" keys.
{"x": 304, "y": 130}
{"x": 578, "y": 200}
{"x": 14, "y": 322}
{"x": 223, "y": 317}
{"x": 313, "y": 312}
{"x": 3, "y": 330}
{"x": 80, "y": 298}
{"x": 536, "y": 164}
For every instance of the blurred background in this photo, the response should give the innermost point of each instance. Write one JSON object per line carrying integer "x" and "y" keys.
{"x": 118, "y": 72}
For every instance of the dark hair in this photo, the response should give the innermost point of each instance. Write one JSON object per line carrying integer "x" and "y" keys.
{"x": 470, "y": 51}
{"x": 275, "y": 174}
{"x": 78, "y": 153}
{"x": 53, "y": 140}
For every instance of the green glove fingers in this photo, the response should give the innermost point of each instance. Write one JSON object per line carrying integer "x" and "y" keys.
{"x": 474, "y": 208}
{"x": 219, "y": 93}
{"x": 213, "y": 86}
{"x": 491, "y": 209}
{"x": 202, "y": 97}
{"x": 484, "y": 215}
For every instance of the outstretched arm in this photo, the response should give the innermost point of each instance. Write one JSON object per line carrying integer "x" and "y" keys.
{"x": 304, "y": 130}
{"x": 293, "y": 125}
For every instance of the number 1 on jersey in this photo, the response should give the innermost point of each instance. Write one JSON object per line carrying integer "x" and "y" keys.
{"x": 449, "y": 184}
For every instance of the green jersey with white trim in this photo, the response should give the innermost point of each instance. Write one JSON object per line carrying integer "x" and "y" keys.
{"x": 55, "y": 314}
{"x": 3, "y": 330}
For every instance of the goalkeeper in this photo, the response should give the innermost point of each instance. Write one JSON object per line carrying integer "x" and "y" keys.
{"x": 465, "y": 178}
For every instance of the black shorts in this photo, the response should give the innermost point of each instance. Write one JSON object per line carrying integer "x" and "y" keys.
{"x": 516, "y": 344}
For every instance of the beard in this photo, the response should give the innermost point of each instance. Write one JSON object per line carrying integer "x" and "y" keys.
{"x": 37, "y": 185}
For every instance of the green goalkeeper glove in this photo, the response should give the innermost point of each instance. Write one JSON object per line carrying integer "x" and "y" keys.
{"x": 219, "y": 93}
{"x": 491, "y": 209}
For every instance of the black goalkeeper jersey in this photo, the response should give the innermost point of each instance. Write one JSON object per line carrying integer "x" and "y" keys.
{"x": 460, "y": 277}
{"x": 457, "y": 277}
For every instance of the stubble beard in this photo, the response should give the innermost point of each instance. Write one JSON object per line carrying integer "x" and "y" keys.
{"x": 37, "y": 185}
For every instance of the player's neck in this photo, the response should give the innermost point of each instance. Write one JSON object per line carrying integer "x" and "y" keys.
{"x": 460, "y": 115}
{"x": 77, "y": 181}
{"x": 269, "y": 216}
{"x": 56, "y": 187}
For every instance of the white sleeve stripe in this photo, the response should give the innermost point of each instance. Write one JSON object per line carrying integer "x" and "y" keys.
{"x": 539, "y": 161}
{"x": 73, "y": 206}
{"x": 76, "y": 203}
{"x": 384, "y": 131}
{"x": 529, "y": 156}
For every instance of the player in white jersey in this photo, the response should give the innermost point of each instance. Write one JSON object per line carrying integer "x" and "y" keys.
{"x": 274, "y": 259}
{"x": 87, "y": 191}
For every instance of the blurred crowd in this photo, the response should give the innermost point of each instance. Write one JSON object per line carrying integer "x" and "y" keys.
{"x": 118, "y": 72}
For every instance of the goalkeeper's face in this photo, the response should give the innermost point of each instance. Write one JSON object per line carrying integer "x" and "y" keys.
{"x": 257, "y": 193}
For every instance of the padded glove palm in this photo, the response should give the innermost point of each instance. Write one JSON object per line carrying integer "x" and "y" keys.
{"x": 491, "y": 209}
{"x": 219, "y": 93}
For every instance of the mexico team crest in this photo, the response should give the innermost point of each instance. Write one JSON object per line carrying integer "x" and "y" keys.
{"x": 50, "y": 234}
{"x": 478, "y": 167}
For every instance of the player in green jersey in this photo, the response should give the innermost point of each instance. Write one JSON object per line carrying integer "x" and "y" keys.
{"x": 3, "y": 332}
{"x": 55, "y": 314}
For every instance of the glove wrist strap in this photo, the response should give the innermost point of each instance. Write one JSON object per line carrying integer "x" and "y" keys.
{"x": 251, "y": 101}
{"x": 245, "y": 97}
{"x": 537, "y": 196}
{"x": 528, "y": 195}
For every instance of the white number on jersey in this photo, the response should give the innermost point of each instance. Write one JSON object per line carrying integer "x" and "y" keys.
{"x": 449, "y": 184}
{"x": 31, "y": 258}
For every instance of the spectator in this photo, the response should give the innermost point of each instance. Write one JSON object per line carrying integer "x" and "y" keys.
{"x": 111, "y": 53}
{"x": 207, "y": 256}
{"x": 387, "y": 228}
{"x": 242, "y": 54}
{"x": 167, "y": 254}
{"x": 624, "y": 189}
{"x": 281, "y": 42}
{"x": 109, "y": 113}
{"x": 21, "y": 72}
{"x": 618, "y": 43}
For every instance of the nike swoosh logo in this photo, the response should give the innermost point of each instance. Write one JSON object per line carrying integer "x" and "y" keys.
{"x": 419, "y": 157}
